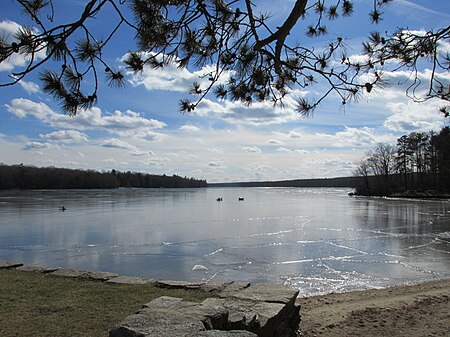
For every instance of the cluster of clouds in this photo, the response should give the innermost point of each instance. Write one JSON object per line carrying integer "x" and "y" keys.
{"x": 123, "y": 139}
{"x": 257, "y": 142}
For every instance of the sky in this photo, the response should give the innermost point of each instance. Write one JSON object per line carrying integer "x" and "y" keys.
{"x": 140, "y": 128}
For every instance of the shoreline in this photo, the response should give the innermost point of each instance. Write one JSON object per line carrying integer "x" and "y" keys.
{"x": 411, "y": 310}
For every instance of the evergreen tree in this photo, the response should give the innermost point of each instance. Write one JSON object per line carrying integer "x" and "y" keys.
{"x": 232, "y": 37}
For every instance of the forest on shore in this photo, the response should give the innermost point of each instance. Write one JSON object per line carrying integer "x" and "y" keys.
{"x": 31, "y": 177}
{"x": 419, "y": 164}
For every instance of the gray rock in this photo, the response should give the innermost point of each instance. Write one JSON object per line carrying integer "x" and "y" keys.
{"x": 261, "y": 310}
{"x": 230, "y": 289}
{"x": 100, "y": 275}
{"x": 220, "y": 333}
{"x": 69, "y": 273}
{"x": 248, "y": 320}
{"x": 213, "y": 301}
{"x": 157, "y": 323}
{"x": 34, "y": 268}
{"x": 178, "y": 284}
{"x": 85, "y": 274}
{"x": 9, "y": 265}
{"x": 128, "y": 280}
{"x": 272, "y": 293}
{"x": 212, "y": 316}
{"x": 213, "y": 287}
{"x": 263, "y": 318}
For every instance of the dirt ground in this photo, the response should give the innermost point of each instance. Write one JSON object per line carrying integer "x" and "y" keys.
{"x": 414, "y": 311}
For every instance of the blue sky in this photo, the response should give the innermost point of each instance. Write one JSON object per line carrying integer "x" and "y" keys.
{"x": 141, "y": 129}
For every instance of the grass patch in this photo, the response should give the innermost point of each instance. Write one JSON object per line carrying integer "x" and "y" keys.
{"x": 39, "y": 305}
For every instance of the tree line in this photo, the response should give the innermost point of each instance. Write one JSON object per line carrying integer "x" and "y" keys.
{"x": 31, "y": 177}
{"x": 418, "y": 161}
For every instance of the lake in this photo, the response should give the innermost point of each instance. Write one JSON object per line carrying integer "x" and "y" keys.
{"x": 318, "y": 240}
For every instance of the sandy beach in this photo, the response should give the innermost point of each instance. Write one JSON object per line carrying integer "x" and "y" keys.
{"x": 414, "y": 311}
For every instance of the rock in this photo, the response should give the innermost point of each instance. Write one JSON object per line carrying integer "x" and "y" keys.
{"x": 178, "y": 284}
{"x": 100, "y": 275}
{"x": 260, "y": 310}
{"x": 157, "y": 323}
{"x": 231, "y": 288}
{"x": 211, "y": 314}
{"x": 128, "y": 280}
{"x": 243, "y": 320}
{"x": 84, "y": 274}
{"x": 213, "y": 287}
{"x": 220, "y": 333}
{"x": 272, "y": 293}
{"x": 265, "y": 309}
{"x": 69, "y": 273}
{"x": 34, "y": 268}
{"x": 9, "y": 265}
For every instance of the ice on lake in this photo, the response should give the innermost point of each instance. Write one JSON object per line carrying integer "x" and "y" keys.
{"x": 318, "y": 240}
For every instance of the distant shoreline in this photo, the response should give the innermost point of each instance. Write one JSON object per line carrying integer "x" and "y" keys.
{"x": 413, "y": 194}
{"x": 344, "y": 182}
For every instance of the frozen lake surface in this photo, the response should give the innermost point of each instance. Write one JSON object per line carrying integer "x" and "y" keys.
{"x": 318, "y": 240}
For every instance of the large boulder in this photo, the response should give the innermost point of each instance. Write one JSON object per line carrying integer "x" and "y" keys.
{"x": 260, "y": 310}
{"x": 157, "y": 323}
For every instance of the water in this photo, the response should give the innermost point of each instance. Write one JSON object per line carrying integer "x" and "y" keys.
{"x": 317, "y": 240}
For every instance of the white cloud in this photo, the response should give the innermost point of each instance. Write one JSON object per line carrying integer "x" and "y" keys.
{"x": 36, "y": 145}
{"x": 7, "y": 30}
{"x": 284, "y": 149}
{"x": 118, "y": 144}
{"x": 128, "y": 122}
{"x": 293, "y": 134}
{"x": 274, "y": 142}
{"x": 215, "y": 150}
{"x": 301, "y": 151}
{"x": 409, "y": 117}
{"x": 251, "y": 149}
{"x": 139, "y": 153}
{"x": 355, "y": 137}
{"x": 66, "y": 136}
{"x": 149, "y": 135}
{"x": 172, "y": 78}
{"x": 258, "y": 113}
{"x": 29, "y": 87}
{"x": 21, "y": 108}
{"x": 189, "y": 128}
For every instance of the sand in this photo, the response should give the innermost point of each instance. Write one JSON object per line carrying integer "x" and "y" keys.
{"x": 418, "y": 310}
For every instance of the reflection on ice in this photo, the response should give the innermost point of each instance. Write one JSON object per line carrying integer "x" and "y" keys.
{"x": 318, "y": 240}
